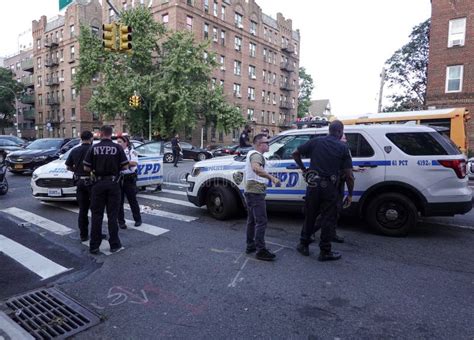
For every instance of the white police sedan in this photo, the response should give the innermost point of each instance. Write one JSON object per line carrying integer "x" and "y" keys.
{"x": 53, "y": 182}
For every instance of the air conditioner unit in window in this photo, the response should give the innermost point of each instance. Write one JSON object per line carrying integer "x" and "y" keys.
{"x": 253, "y": 119}
{"x": 222, "y": 68}
{"x": 238, "y": 95}
{"x": 240, "y": 25}
{"x": 253, "y": 76}
{"x": 237, "y": 47}
{"x": 457, "y": 42}
{"x": 61, "y": 60}
{"x": 61, "y": 79}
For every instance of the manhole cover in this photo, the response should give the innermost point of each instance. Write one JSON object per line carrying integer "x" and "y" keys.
{"x": 50, "y": 314}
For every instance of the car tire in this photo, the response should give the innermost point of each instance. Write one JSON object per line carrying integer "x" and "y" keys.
{"x": 4, "y": 187}
{"x": 168, "y": 158}
{"x": 221, "y": 202}
{"x": 201, "y": 157}
{"x": 392, "y": 214}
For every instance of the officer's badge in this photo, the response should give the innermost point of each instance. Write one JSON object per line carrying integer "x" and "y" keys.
{"x": 387, "y": 148}
{"x": 238, "y": 177}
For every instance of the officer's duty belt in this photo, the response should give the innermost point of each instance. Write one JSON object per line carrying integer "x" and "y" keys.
{"x": 101, "y": 178}
{"x": 83, "y": 177}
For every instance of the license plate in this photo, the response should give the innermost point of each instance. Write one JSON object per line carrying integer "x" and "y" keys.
{"x": 18, "y": 166}
{"x": 54, "y": 192}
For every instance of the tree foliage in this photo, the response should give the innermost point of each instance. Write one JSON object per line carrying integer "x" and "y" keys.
{"x": 305, "y": 89}
{"x": 170, "y": 71}
{"x": 407, "y": 71}
{"x": 8, "y": 88}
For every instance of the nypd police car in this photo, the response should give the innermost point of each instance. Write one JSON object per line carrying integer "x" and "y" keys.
{"x": 408, "y": 171}
{"x": 53, "y": 182}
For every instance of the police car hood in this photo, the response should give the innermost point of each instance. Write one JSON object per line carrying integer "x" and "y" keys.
{"x": 218, "y": 161}
{"x": 55, "y": 168}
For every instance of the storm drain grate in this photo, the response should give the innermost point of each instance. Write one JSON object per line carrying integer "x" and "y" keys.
{"x": 50, "y": 314}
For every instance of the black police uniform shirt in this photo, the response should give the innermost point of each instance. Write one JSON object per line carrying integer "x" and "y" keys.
{"x": 328, "y": 155}
{"x": 106, "y": 158}
{"x": 244, "y": 139}
{"x": 76, "y": 157}
{"x": 174, "y": 143}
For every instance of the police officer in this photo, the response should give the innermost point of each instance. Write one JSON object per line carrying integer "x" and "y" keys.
{"x": 82, "y": 181}
{"x": 265, "y": 132}
{"x": 244, "y": 139}
{"x": 328, "y": 158}
{"x": 176, "y": 148}
{"x": 105, "y": 160}
{"x": 129, "y": 184}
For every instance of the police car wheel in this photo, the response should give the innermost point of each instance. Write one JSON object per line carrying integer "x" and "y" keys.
{"x": 220, "y": 202}
{"x": 168, "y": 158}
{"x": 392, "y": 214}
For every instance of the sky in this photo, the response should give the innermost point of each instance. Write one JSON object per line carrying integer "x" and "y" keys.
{"x": 344, "y": 43}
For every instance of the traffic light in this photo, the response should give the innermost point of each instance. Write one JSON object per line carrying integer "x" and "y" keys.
{"x": 125, "y": 39}
{"x": 134, "y": 101}
{"x": 109, "y": 36}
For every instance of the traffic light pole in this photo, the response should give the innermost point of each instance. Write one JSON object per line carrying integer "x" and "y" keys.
{"x": 113, "y": 8}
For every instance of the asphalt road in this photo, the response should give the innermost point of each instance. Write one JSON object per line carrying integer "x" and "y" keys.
{"x": 191, "y": 279}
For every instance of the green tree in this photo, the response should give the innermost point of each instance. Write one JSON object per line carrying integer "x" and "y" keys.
{"x": 305, "y": 90}
{"x": 8, "y": 88}
{"x": 407, "y": 71}
{"x": 168, "y": 70}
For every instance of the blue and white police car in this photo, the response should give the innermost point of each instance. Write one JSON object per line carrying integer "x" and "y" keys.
{"x": 408, "y": 171}
{"x": 53, "y": 182}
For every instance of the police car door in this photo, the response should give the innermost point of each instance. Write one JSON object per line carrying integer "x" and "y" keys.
{"x": 150, "y": 164}
{"x": 280, "y": 163}
{"x": 368, "y": 160}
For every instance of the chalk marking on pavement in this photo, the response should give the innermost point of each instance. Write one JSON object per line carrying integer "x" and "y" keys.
{"x": 146, "y": 228}
{"x": 145, "y": 209}
{"x": 104, "y": 248}
{"x": 168, "y": 191}
{"x": 233, "y": 283}
{"x": 37, "y": 263}
{"x": 169, "y": 200}
{"x": 39, "y": 221}
{"x": 224, "y": 251}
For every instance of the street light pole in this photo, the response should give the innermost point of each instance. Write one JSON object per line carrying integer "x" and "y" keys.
{"x": 16, "y": 108}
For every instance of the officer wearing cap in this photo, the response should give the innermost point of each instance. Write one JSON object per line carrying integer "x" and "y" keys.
{"x": 265, "y": 132}
{"x": 329, "y": 157}
{"x": 244, "y": 139}
{"x": 104, "y": 161}
{"x": 82, "y": 181}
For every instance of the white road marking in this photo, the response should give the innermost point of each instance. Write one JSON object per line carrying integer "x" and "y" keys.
{"x": 41, "y": 222}
{"x": 37, "y": 263}
{"x": 174, "y": 192}
{"x": 155, "y": 212}
{"x": 173, "y": 184}
{"x": 169, "y": 200}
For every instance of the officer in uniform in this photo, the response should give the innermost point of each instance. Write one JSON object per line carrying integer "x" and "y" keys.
{"x": 244, "y": 139}
{"x": 176, "y": 148}
{"x": 129, "y": 184}
{"x": 82, "y": 181}
{"x": 329, "y": 157}
{"x": 105, "y": 160}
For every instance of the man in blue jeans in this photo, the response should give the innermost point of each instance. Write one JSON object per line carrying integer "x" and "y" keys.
{"x": 256, "y": 179}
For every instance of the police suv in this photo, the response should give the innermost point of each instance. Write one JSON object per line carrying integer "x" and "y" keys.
{"x": 53, "y": 182}
{"x": 406, "y": 171}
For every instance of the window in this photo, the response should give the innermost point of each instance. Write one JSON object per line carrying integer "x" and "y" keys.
{"x": 282, "y": 148}
{"x": 206, "y": 6}
{"x": 73, "y": 113}
{"x": 74, "y": 132}
{"x": 251, "y": 93}
{"x": 238, "y": 43}
{"x": 263, "y": 96}
{"x": 40, "y": 80}
{"x": 71, "y": 29}
{"x": 252, "y": 49}
{"x": 454, "y": 78}
{"x": 38, "y": 62}
{"x": 252, "y": 72}
{"x": 222, "y": 83}
{"x": 223, "y": 38}
{"x": 206, "y": 31}
{"x": 457, "y": 32}
{"x": 237, "y": 91}
{"x": 38, "y": 44}
{"x": 264, "y": 54}
{"x": 262, "y": 117}
{"x": 274, "y": 101}
{"x": 73, "y": 72}
{"x": 62, "y": 96}
{"x": 358, "y": 145}
{"x": 215, "y": 9}
{"x": 253, "y": 28}
{"x": 238, "y": 20}
{"x": 215, "y": 34}
{"x": 190, "y": 2}
{"x": 72, "y": 53}
{"x": 73, "y": 94}
{"x": 223, "y": 12}
{"x": 40, "y": 99}
{"x": 165, "y": 19}
{"x": 213, "y": 83}
{"x": 250, "y": 113}
{"x": 189, "y": 23}
{"x": 237, "y": 67}
{"x": 222, "y": 62}
{"x": 422, "y": 143}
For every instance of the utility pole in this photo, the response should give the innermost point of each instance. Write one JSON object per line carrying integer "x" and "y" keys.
{"x": 382, "y": 81}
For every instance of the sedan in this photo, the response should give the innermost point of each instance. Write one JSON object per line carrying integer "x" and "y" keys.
{"x": 470, "y": 168}
{"x": 17, "y": 140}
{"x": 225, "y": 150}
{"x": 189, "y": 152}
{"x": 9, "y": 146}
{"x": 38, "y": 153}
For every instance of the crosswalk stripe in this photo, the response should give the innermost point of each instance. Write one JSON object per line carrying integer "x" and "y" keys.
{"x": 41, "y": 222}
{"x": 146, "y": 228}
{"x": 174, "y": 192}
{"x": 173, "y": 184}
{"x": 37, "y": 263}
{"x": 169, "y": 200}
{"x": 145, "y": 209}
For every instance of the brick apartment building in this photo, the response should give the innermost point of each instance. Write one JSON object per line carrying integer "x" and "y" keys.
{"x": 451, "y": 62}
{"x": 259, "y": 57}
{"x": 60, "y": 107}
{"x": 21, "y": 65}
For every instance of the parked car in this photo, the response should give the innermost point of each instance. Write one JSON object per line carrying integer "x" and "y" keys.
{"x": 470, "y": 168}
{"x": 15, "y": 139}
{"x": 224, "y": 150}
{"x": 69, "y": 145}
{"x": 9, "y": 146}
{"x": 157, "y": 148}
{"x": 189, "y": 152}
{"x": 242, "y": 151}
{"x": 3, "y": 173}
{"x": 38, "y": 153}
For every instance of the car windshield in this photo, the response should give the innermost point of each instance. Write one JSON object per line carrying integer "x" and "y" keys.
{"x": 43, "y": 144}
{"x": 149, "y": 148}
{"x": 6, "y": 142}
{"x": 15, "y": 139}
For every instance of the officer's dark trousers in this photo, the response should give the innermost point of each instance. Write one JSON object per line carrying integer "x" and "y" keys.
{"x": 105, "y": 194}
{"x": 176, "y": 156}
{"x": 256, "y": 219}
{"x": 83, "y": 196}
{"x": 129, "y": 189}
{"x": 340, "y": 202}
{"x": 321, "y": 199}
